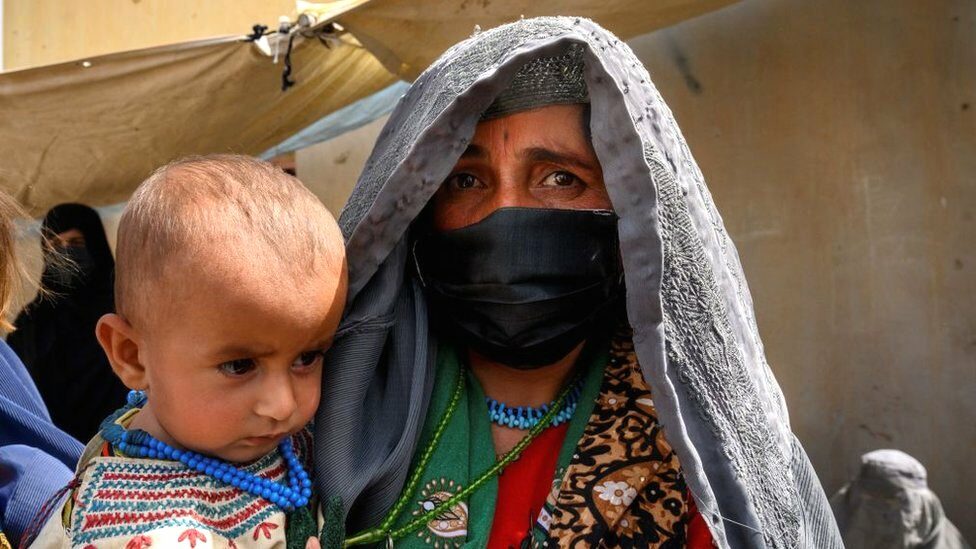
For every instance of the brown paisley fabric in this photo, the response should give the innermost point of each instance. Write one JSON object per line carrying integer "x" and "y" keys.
{"x": 623, "y": 486}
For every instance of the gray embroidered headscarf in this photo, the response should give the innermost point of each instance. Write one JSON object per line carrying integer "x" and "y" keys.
{"x": 687, "y": 300}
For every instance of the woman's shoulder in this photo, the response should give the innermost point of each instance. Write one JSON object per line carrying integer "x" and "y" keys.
{"x": 15, "y": 383}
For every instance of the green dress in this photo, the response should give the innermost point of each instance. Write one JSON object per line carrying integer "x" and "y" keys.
{"x": 617, "y": 481}
{"x": 465, "y": 451}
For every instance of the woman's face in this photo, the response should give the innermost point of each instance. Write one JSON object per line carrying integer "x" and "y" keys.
{"x": 72, "y": 238}
{"x": 537, "y": 159}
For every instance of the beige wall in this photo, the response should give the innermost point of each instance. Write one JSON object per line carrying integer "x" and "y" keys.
{"x": 839, "y": 141}
{"x": 331, "y": 168}
{"x": 42, "y": 32}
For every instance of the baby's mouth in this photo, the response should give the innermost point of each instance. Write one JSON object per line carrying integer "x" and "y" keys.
{"x": 263, "y": 440}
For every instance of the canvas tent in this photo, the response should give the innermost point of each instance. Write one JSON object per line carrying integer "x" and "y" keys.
{"x": 92, "y": 129}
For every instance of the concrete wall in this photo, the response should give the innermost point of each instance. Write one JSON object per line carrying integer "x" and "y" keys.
{"x": 839, "y": 141}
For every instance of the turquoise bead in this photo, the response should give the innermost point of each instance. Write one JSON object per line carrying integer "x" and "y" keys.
{"x": 527, "y": 417}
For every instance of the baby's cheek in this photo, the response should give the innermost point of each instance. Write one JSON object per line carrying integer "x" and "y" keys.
{"x": 308, "y": 398}
{"x": 214, "y": 421}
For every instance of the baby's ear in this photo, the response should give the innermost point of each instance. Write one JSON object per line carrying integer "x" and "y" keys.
{"x": 118, "y": 339}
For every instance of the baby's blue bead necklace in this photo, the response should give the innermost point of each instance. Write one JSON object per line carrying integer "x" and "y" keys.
{"x": 527, "y": 417}
{"x": 138, "y": 443}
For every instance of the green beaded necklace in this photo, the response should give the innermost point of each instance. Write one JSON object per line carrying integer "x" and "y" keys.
{"x": 385, "y": 530}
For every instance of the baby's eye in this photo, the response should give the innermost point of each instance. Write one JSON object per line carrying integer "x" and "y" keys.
{"x": 237, "y": 367}
{"x": 462, "y": 181}
{"x": 308, "y": 359}
{"x": 560, "y": 179}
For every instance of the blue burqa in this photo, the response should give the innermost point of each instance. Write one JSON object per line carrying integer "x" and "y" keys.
{"x": 36, "y": 458}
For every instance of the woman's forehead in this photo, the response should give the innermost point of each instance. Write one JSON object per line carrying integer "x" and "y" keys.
{"x": 554, "y": 128}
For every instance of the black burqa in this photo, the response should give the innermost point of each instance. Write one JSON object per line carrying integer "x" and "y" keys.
{"x": 55, "y": 333}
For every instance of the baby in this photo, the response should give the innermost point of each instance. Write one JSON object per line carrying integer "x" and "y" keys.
{"x": 230, "y": 283}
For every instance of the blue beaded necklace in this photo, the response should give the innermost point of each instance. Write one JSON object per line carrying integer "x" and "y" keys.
{"x": 138, "y": 443}
{"x": 527, "y": 417}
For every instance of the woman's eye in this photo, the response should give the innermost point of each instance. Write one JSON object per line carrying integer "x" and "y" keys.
{"x": 561, "y": 179}
{"x": 308, "y": 359}
{"x": 462, "y": 181}
{"x": 237, "y": 367}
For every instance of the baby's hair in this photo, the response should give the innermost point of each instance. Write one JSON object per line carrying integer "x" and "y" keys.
{"x": 187, "y": 206}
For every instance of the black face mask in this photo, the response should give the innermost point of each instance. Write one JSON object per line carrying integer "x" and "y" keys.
{"x": 62, "y": 277}
{"x": 524, "y": 286}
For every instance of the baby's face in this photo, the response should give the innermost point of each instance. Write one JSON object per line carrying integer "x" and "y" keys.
{"x": 233, "y": 356}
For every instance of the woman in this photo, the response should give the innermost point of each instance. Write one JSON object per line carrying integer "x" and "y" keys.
{"x": 529, "y": 206}
{"x": 888, "y": 504}
{"x": 36, "y": 458}
{"x": 55, "y": 334}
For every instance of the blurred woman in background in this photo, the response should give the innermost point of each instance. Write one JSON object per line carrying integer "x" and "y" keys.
{"x": 55, "y": 334}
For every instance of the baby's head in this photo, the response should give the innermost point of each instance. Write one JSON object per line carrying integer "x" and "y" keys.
{"x": 230, "y": 282}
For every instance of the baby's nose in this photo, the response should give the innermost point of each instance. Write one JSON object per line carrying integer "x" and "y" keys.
{"x": 277, "y": 400}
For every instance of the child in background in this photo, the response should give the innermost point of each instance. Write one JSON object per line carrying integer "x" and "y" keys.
{"x": 230, "y": 283}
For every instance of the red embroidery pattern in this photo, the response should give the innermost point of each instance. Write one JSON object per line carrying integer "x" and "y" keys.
{"x": 210, "y": 496}
{"x": 264, "y": 528}
{"x": 139, "y": 542}
{"x": 192, "y": 535}
{"x": 96, "y": 520}
{"x": 273, "y": 472}
{"x": 186, "y": 499}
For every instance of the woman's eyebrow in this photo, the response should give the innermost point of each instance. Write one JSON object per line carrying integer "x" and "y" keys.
{"x": 542, "y": 154}
{"x": 475, "y": 151}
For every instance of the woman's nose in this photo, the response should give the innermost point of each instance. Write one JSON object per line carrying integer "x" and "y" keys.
{"x": 512, "y": 191}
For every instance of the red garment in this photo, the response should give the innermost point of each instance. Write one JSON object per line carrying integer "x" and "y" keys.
{"x": 699, "y": 536}
{"x": 523, "y": 488}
